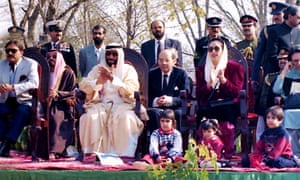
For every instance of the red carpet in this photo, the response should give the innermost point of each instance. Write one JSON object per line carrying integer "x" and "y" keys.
{"x": 19, "y": 161}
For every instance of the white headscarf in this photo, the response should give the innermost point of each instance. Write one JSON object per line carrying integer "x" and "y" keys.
{"x": 119, "y": 66}
{"x": 221, "y": 65}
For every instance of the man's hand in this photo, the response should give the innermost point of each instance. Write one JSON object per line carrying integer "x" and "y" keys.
{"x": 104, "y": 75}
{"x": 53, "y": 93}
{"x": 6, "y": 88}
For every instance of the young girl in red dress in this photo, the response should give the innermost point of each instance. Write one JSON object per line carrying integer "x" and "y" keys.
{"x": 210, "y": 138}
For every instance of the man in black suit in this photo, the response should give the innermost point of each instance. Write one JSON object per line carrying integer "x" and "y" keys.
{"x": 165, "y": 84}
{"x": 150, "y": 49}
{"x": 55, "y": 29}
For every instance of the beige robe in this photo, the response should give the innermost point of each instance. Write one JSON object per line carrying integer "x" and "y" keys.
{"x": 110, "y": 124}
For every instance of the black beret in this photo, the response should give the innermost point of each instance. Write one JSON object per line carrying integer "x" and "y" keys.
{"x": 248, "y": 19}
{"x": 277, "y": 7}
{"x": 55, "y": 25}
{"x": 214, "y": 22}
{"x": 16, "y": 29}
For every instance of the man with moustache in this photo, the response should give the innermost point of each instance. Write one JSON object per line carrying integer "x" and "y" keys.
{"x": 151, "y": 49}
{"x": 214, "y": 31}
{"x": 248, "y": 23}
{"x": 19, "y": 75}
{"x": 247, "y": 47}
{"x": 91, "y": 55}
{"x": 55, "y": 31}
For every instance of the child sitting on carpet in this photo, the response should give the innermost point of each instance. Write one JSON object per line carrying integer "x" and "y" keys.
{"x": 165, "y": 142}
{"x": 274, "y": 148}
{"x": 210, "y": 138}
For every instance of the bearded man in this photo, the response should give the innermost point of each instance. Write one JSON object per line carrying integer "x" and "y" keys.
{"x": 109, "y": 124}
{"x": 91, "y": 55}
{"x": 151, "y": 48}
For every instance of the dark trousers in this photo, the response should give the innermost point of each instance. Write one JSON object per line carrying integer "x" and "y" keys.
{"x": 154, "y": 116}
{"x": 20, "y": 115}
{"x": 282, "y": 162}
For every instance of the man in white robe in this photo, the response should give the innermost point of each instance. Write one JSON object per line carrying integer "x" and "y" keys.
{"x": 110, "y": 124}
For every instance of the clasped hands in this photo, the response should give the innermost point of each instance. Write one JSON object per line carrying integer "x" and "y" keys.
{"x": 105, "y": 74}
{"x": 219, "y": 77}
{"x": 164, "y": 100}
{"x": 6, "y": 88}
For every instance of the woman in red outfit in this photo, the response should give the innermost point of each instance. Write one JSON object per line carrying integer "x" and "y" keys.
{"x": 220, "y": 79}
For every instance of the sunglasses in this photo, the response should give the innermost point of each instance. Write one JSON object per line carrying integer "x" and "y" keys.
{"x": 216, "y": 48}
{"x": 51, "y": 56}
{"x": 108, "y": 53}
{"x": 11, "y": 50}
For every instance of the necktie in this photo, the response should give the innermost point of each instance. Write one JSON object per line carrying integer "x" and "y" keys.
{"x": 12, "y": 77}
{"x": 12, "y": 67}
{"x": 165, "y": 83}
{"x": 159, "y": 49}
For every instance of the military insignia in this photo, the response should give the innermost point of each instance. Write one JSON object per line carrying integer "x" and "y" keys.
{"x": 59, "y": 24}
{"x": 14, "y": 30}
{"x": 273, "y": 6}
{"x": 64, "y": 46}
{"x": 215, "y": 21}
{"x": 246, "y": 19}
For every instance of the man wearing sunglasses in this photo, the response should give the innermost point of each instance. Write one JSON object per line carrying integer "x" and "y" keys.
{"x": 91, "y": 55}
{"x": 55, "y": 31}
{"x": 214, "y": 27}
{"x": 18, "y": 75}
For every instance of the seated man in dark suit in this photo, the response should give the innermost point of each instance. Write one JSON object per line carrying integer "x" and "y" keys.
{"x": 165, "y": 84}
{"x": 152, "y": 48}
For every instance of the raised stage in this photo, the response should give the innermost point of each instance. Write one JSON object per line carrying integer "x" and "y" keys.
{"x": 21, "y": 167}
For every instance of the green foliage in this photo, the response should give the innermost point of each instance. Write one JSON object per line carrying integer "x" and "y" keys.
{"x": 189, "y": 169}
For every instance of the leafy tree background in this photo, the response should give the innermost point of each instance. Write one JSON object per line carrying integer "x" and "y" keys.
{"x": 128, "y": 21}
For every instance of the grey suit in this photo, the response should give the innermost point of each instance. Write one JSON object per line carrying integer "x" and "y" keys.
{"x": 148, "y": 50}
{"x": 88, "y": 59}
{"x": 26, "y": 78}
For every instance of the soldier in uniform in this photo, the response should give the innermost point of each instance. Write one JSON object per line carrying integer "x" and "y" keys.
{"x": 55, "y": 29}
{"x": 259, "y": 55}
{"x": 280, "y": 37}
{"x": 214, "y": 30}
{"x": 277, "y": 17}
{"x": 247, "y": 47}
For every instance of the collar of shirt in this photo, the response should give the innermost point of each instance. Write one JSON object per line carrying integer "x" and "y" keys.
{"x": 162, "y": 75}
{"x": 18, "y": 62}
{"x": 54, "y": 44}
